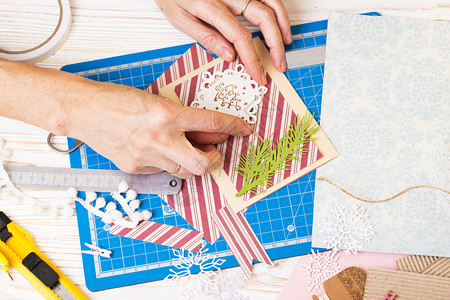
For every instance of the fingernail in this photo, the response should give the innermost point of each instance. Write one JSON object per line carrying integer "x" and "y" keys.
{"x": 227, "y": 54}
{"x": 283, "y": 65}
{"x": 208, "y": 148}
{"x": 263, "y": 79}
{"x": 288, "y": 37}
{"x": 247, "y": 130}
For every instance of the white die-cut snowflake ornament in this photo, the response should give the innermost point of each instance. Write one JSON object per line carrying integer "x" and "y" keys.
{"x": 320, "y": 267}
{"x": 347, "y": 228}
{"x": 191, "y": 284}
{"x": 224, "y": 288}
{"x": 232, "y": 92}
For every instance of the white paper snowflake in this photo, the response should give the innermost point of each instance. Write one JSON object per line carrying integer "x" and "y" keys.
{"x": 192, "y": 284}
{"x": 347, "y": 227}
{"x": 321, "y": 266}
{"x": 224, "y": 288}
{"x": 202, "y": 261}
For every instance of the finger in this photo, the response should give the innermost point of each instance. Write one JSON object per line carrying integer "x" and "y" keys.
{"x": 264, "y": 17}
{"x": 217, "y": 14}
{"x": 282, "y": 18}
{"x": 210, "y": 38}
{"x": 192, "y": 159}
{"x": 205, "y": 138}
{"x": 212, "y": 121}
{"x": 142, "y": 170}
{"x": 180, "y": 172}
{"x": 171, "y": 166}
{"x": 147, "y": 163}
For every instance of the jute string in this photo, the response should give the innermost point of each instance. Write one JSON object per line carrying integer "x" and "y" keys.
{"x": 382, "y": 200}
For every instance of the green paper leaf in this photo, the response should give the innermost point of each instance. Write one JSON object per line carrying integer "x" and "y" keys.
{"x": 266, "y": 159}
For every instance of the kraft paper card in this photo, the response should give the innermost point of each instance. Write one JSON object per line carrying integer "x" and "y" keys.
{"x": 272, "y": 110}
{"x": 386, "y": 107}
{"x": 406, "y": 285}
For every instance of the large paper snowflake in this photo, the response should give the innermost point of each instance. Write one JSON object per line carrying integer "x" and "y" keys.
{"x": 321, "y": 266}
{"x": 347, "y": 227}
{"x": 206, "y": 264}
{"x": 224, "y": 288}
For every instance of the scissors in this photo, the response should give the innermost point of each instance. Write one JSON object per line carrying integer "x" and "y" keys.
{"x": 56, "y": 149}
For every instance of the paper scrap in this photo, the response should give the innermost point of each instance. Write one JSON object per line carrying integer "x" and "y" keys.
{"x": 441, "y": 267}
{"x": 296, "y": 286}
{"x": 162, "y": 234}
{"x": 240, "y": 238}
{"x": 415, "y": 263}
{"x": 406, "y": 285}
{"x": 199, "y": 195}
{"x": 346, "y": 285}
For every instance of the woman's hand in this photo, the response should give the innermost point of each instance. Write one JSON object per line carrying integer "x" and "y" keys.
{"x": 213, "y": 24}
{"x": 144, "y": 133}
{"x": 139, "y": 132}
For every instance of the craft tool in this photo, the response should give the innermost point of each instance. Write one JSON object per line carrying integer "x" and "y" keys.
{"x": 5, "y": 267}
{"x": 56, "y": 149}
{"x": 50, "y": 45}
{"x": 17, "y": 245}
{"x": 94, "y": 250}
{"x": 26, "y": 177}
{"x": 282, "y": 221}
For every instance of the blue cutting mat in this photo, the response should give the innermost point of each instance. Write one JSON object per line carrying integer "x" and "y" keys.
{"x": 282, "y": 221}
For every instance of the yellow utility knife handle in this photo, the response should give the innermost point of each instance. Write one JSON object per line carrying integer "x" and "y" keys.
{"x": 5, "y": 262}
{"x": 19, "y": 246}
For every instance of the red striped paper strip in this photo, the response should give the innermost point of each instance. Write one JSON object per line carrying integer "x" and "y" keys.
{"x": 241, "y": 239}
{"x": 162, "y": 234}
{"x": 199, "y": 196}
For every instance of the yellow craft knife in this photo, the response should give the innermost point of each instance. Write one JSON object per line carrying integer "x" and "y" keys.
{"x": 5, "y": 266}
{"x": 17, "y": 245}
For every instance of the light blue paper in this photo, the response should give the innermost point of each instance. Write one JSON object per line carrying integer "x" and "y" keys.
{"x": 386, "y": 108}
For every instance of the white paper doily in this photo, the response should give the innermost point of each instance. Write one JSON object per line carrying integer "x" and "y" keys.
{"x": 232, "y": 92}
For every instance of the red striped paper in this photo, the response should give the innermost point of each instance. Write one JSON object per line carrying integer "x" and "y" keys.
{"x": 274, "y": 118}
{"x": 199, "y": 196}
{"x": 240, "y": 238}
{"x": 162, "y": 234}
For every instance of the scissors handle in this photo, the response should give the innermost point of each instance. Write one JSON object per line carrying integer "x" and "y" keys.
{"x": 56, "y": 149}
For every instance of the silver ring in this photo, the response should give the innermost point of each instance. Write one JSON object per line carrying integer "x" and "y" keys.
{"x": 245, "y": 7}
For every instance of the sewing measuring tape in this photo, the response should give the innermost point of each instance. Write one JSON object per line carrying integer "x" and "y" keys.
{"x": 50, "y": 45}
{"x": 25, "y": 177}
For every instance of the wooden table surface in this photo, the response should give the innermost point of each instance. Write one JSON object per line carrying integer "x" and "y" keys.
{"x": 106, "y": 28}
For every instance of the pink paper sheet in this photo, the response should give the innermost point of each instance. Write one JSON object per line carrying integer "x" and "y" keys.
{"x": 296, "y": 286}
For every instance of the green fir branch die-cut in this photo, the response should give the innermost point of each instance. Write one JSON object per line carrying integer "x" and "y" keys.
{"x": 266, "y": 159}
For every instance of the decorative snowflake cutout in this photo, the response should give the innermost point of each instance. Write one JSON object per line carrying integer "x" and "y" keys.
{"x": 232, "y": 92}
{"x": 202, "y": 261}
{"x": 8, "y": 190}
{"x": 321, "y": 266}
{"x": 224, "y": 288}
{"x": 347, "y": 228}
{"x": 206, "y": 263}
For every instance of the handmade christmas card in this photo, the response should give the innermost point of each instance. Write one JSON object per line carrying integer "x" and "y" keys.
{"x": 287, "y": 142}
